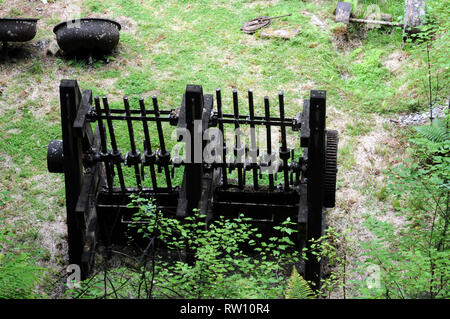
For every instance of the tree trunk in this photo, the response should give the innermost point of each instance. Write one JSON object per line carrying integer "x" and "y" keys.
{"x": 414, "y": 16}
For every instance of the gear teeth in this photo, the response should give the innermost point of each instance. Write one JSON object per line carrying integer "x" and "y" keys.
{"x": 330, "y": 169}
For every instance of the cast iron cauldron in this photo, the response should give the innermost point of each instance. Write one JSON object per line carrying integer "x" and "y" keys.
{"x": 87, "y": 36}
{"x": 17, "y": 29}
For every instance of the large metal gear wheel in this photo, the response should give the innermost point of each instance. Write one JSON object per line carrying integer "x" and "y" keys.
{"x": 330, "y": 169}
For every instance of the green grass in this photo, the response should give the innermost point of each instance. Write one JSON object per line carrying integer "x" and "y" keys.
{"x": 188, "y": 42}
{"x": 357, "y": 128}
{"x": 346, "y": 155}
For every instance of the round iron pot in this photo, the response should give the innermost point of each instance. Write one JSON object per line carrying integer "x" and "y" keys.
{"x": 87, "y": 36}
{"x": 17, "y": 29}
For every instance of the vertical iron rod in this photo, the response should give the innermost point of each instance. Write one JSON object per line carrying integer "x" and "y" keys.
{"x": 297, "y": 174}
{"x": 112, "y": 137}
{"x": 283, "y": 141}
{"x": 253, "y": 148}
{"x": 219, "y": 114}
{"x": 104, "y": 150}
{"x": 238, "y": 139}
{"x": 269, "y": 138}
{"x": 147, "y": 143}
{"x": 132, "y": 142}
{"x": 162, "y": 144}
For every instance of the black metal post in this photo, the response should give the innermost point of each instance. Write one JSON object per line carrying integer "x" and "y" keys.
{"x": 284, "y": 152}
{"x": 149, "y": 155}
{"x": 115, "y": 154}
{"x": 104, "y": 150}
{"x": 224, "y": 154}
{"x": 269, "y": 141}
{"x": 163, "y": 155}
{"x": 253, "y": 147}
{"x": 237, "y": 146}
{"x": 134, "y": 157}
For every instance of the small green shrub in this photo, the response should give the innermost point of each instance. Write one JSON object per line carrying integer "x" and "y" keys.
{"x": 216, "y": 263}
{"x": 332, "y": 249}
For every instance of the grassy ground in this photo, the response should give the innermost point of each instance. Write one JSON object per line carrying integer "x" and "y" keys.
{"x": 167, "y": 44}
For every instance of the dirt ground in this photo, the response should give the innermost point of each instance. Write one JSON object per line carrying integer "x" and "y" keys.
{"x": 374, "y": 152}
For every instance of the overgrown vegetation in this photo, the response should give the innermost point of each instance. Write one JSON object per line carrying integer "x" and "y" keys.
{"x": 185, "y": 259}
{"x": 414, "y": 258}
{"x": 409, "y": 255}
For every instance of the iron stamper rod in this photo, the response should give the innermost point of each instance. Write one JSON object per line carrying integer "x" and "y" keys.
{"x": 163, "y": 154}
{"x": 269, "y": 140}
{"x": 115, "y": 155}
{"x": 284, "y": 152}
{"x": 133, "y": 157}
{"x": 238, "y": 150}
{"x": 224, "y": 149}
{"x": 149, "y": 156}
{"x": 104, "y": 151}
{"x": 253, "y": 152}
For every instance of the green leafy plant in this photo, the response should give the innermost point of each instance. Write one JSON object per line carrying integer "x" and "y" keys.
{"x": 413, "y": 257}
{"x": 298, "y": 287}
{"x": 427, "y": 45}
{"x": 332, "y": 249}
{"x": 437, "y": 132}
{"x": 188, "y": 258}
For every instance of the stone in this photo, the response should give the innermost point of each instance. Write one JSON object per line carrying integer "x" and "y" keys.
{"x": 52, "y": 48}
{"x": 386, "y": 17}
{"x": 280, "y": 33}
{"x": 343, "y": 11}
{"x": 41, "y": 44}
{"x": 421, "y": 118}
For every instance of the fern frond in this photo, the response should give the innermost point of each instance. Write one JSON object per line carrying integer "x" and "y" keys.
{"x": 298, "y": 287}
{"x": 437, "y": 132}
{"x": 18, "y": 277}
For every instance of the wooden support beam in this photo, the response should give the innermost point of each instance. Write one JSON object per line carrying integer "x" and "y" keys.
{"x": 70, "y": 97}
{"x": 315, "y": 179}
{"x": 195, "y": 107}
{"x": 394, "y": 24}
